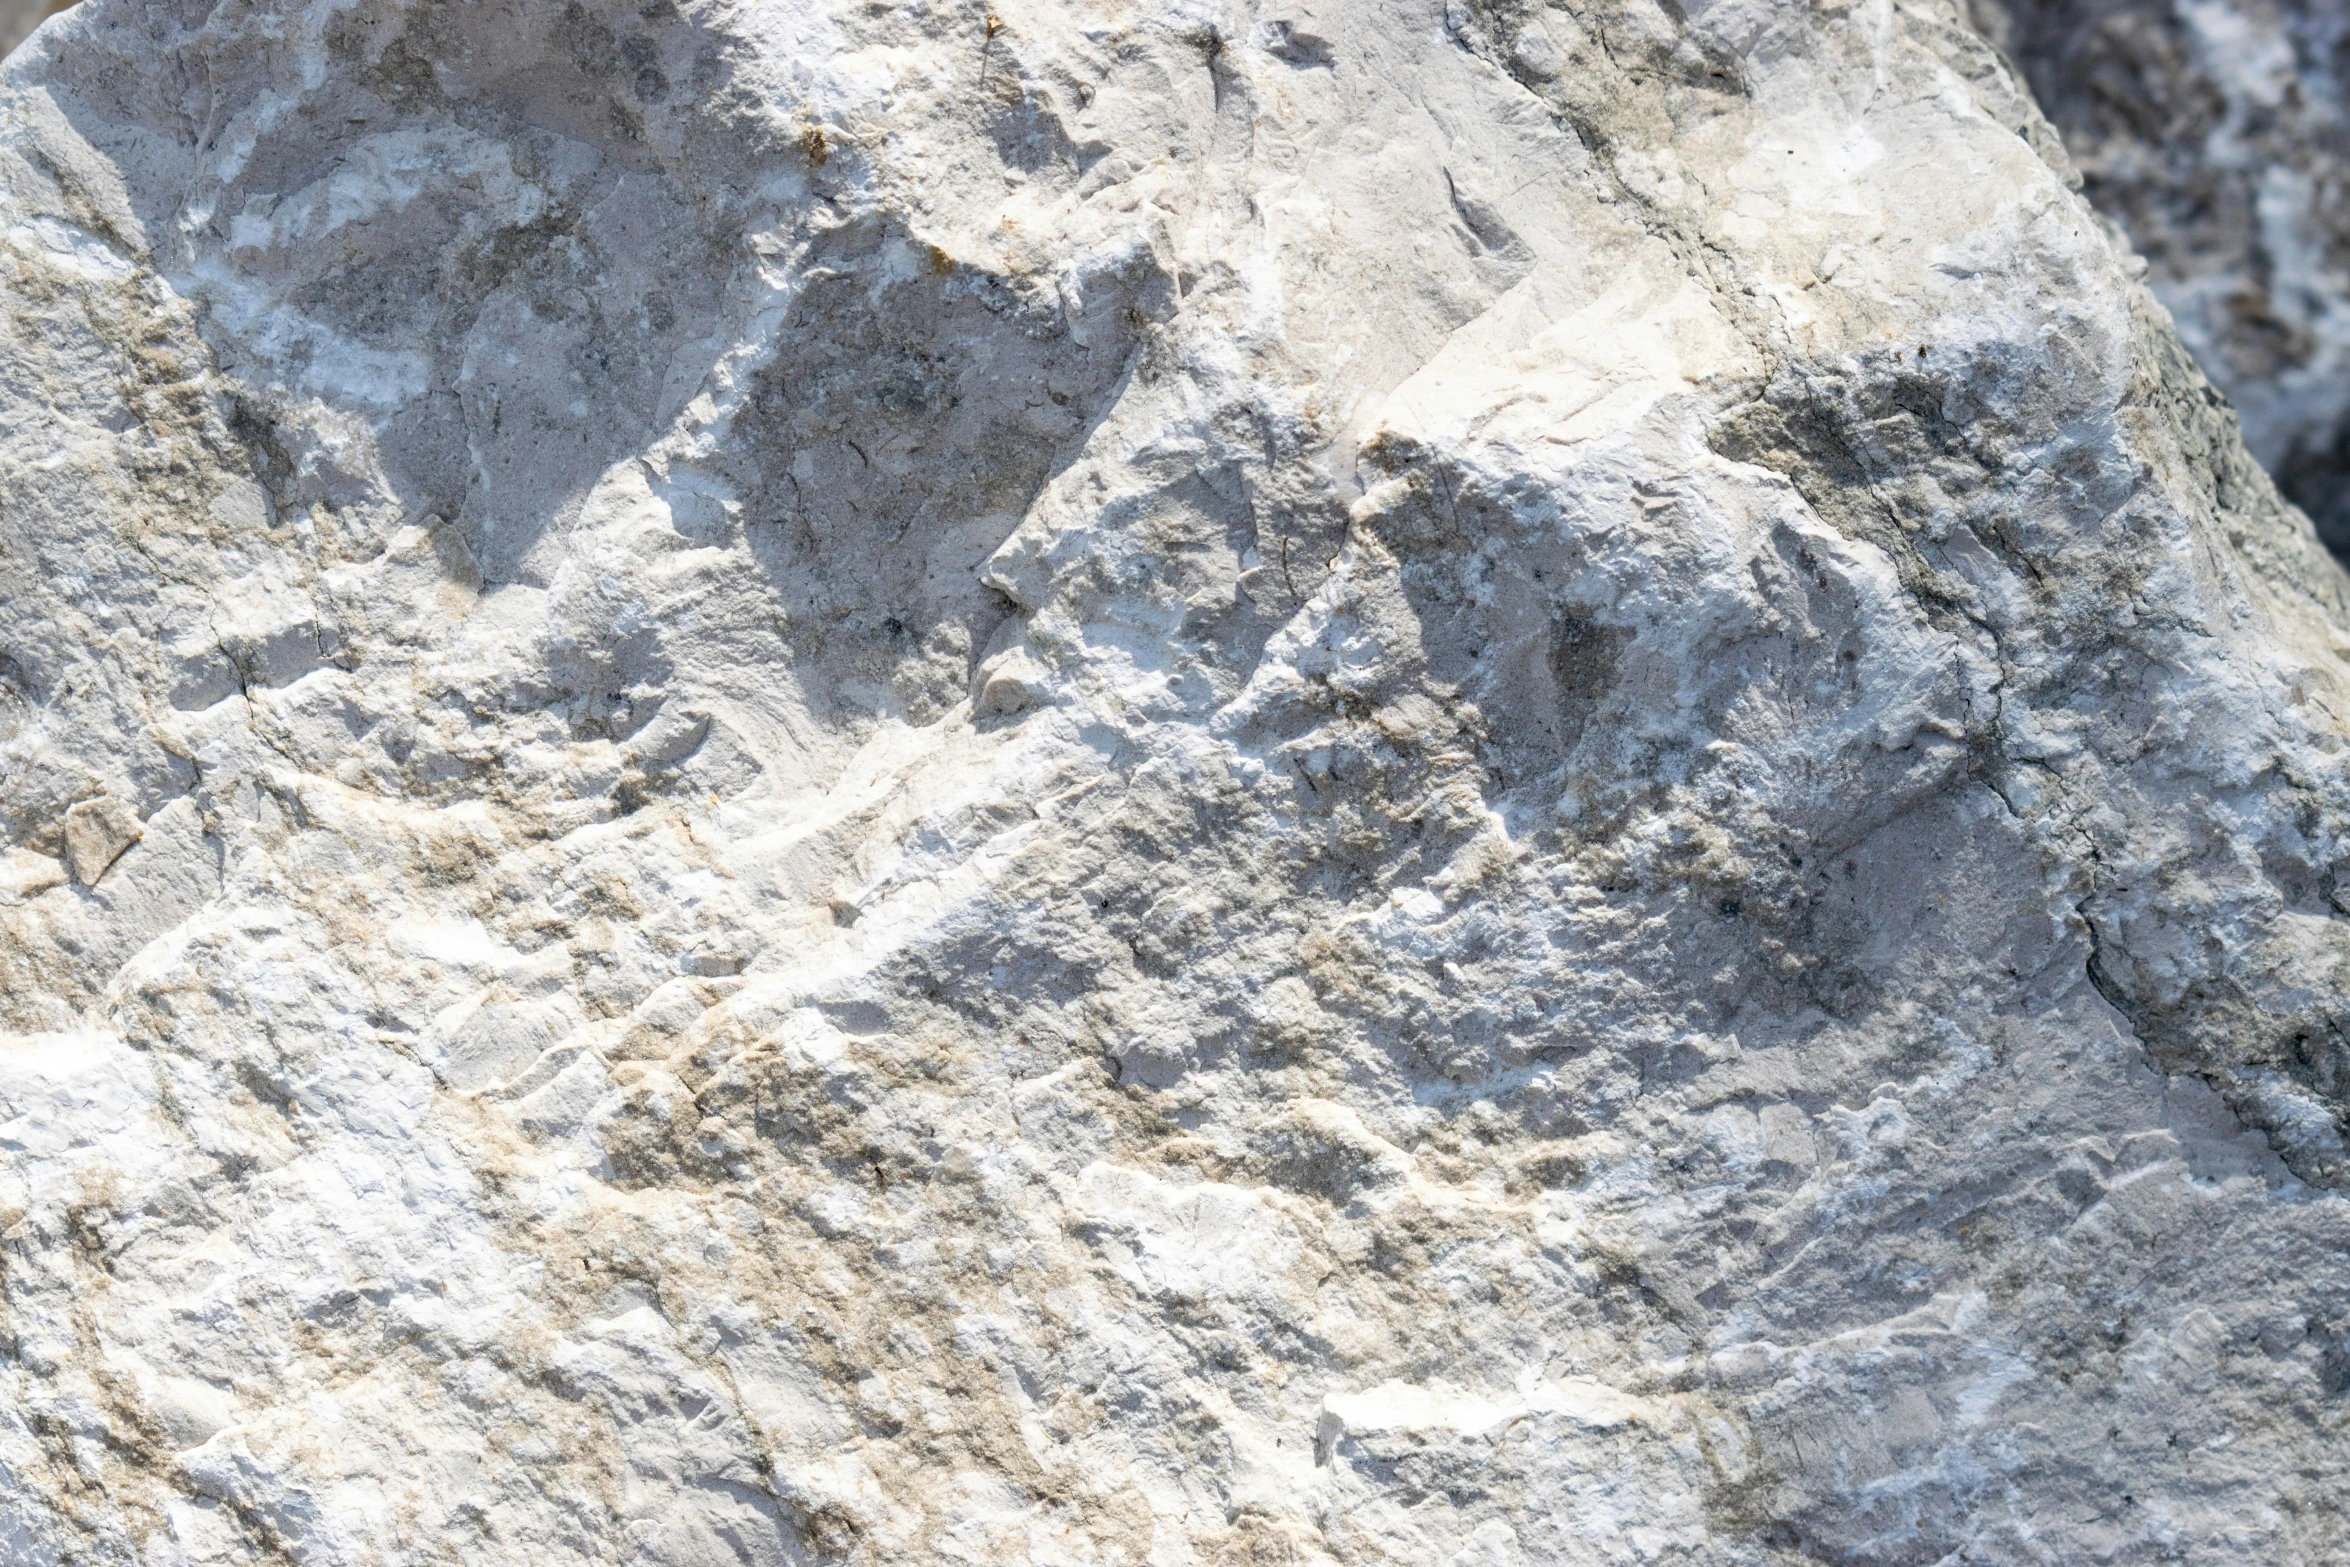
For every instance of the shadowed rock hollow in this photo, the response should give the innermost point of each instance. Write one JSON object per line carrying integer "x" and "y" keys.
{"x": 1336, "y": 783}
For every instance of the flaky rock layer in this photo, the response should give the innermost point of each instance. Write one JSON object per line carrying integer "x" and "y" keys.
{"x": 1318, "y": 782}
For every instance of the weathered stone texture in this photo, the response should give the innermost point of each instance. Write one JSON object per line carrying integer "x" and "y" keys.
{"x": 1331, "y": 782}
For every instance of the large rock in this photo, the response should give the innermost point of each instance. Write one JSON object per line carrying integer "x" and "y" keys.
{"x": 1348, "y": 782}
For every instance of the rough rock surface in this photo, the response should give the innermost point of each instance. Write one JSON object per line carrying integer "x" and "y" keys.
{"x": 1347, "y": 781}
{"x": 2217, "y": 132}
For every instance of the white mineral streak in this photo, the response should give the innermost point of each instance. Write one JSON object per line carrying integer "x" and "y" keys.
{"x": 1331, "y": 783}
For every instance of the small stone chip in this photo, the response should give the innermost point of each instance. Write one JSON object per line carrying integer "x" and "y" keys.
{"x": 96, "y": 834}
{"x": 1009, "y": 682}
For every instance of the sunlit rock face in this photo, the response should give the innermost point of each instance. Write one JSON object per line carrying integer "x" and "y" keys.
{"x": 1334, "y": 783}
{"x": 2217, "y": 133}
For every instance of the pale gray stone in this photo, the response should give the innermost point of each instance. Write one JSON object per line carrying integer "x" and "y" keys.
{"x": 1349, "y": 782}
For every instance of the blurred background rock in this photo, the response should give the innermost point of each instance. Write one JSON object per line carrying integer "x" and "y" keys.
{"x": 18, "y": 18}
{"x": 2214, "y": 132}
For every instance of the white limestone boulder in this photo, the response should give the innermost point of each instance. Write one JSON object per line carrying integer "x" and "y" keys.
{"x": 1352, "y": 782}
